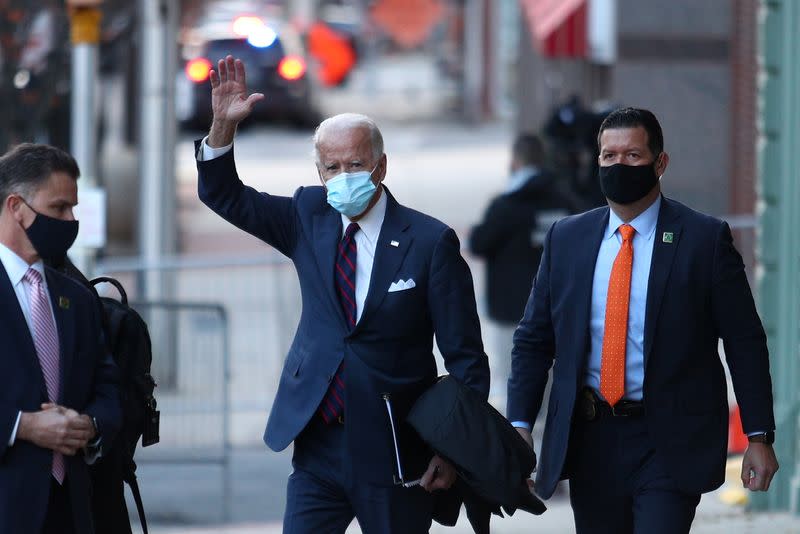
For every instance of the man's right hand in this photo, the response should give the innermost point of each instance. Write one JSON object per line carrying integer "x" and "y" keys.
{"x": 56, "y": 428}
{"x": 528, "y": 437}
{"x": 230, "y": 102}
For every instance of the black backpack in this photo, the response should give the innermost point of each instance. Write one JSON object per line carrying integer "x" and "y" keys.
{"x": 128, "y": 342}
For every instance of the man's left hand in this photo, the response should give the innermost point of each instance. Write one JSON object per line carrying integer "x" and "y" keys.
{"x": 440, "y": 475}
{"x": 758, "y": 466}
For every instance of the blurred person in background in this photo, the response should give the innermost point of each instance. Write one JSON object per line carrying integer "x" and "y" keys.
{"x": 60, "y": 403}
{"x": 378, "y": 281}
{"x": 571, "y": 131}
{"x": 510, "y": 239}
{"x": 628, "y": 307}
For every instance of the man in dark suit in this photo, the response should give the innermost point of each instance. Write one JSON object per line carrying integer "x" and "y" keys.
{"x": 378, "y": 280}
{"x": 510, "y": 238}
{"x": 59, "y": 402}
{"x": 628, "y": 307}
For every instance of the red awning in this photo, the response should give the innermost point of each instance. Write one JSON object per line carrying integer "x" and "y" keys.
{"x": 558, "y": 27}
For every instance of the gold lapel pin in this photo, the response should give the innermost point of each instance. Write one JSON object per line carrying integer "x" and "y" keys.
{"x": 394, "y": 243}
{"x": 667, "y": 237}
{"x": 63, "y": 303}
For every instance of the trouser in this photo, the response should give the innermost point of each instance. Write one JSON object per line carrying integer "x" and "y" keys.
{"x": 323, "y": 496}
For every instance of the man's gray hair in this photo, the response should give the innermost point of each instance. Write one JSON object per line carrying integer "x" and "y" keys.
{"x": 348, "y": 121}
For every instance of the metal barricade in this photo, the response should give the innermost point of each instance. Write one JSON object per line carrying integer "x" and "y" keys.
{"x": 191, "y": 340}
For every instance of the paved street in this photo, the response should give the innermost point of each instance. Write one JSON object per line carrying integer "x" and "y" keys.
{"x": 188, "y": 500}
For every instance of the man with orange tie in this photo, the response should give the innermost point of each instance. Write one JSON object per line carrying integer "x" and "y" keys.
{"x": 628, "y": 307}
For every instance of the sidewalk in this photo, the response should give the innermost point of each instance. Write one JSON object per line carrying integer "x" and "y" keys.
{"x": 713, "y": 517}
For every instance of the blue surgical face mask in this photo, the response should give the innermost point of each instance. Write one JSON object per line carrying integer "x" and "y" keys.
{"x": 350, "y": 192}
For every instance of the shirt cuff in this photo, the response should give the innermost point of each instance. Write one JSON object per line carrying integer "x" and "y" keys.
{"x": 207, "y": 153}
{"x": 13, "y": 437}
{"x": 521, "y": 424}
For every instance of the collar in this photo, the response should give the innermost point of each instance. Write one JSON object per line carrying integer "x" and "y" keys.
{"x": 371, "y": 223}
{"x": 520, "y": 177}
{"x": 16, "y": 267}
{"x": 644, "y": 223}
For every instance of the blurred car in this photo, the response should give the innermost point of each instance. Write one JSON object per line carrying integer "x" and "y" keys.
{"x": 275, "y": 61}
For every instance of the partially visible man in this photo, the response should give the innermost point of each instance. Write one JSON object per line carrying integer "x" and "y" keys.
{"x": 630, "y": 302}
{"x": 510, "y": 238}
{"x": 378, "y": 281}
{"x": 59, "y": 401}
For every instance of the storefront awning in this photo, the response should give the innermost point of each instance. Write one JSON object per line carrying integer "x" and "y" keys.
{"x": 558, "y": 27}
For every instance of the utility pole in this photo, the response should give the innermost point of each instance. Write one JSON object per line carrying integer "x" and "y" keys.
{"x": 157, "y": 139}
{"x": 85, "y": 16}
{"x": 158, "y": 27}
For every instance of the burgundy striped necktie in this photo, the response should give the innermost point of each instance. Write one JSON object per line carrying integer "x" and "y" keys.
{"x": 332, "y": 407}
{"x": 45, "y": 339}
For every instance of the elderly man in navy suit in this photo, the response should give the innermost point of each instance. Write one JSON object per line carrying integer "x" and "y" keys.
{"x": 59, "y": 403}
{"x": 628, "y": 307}
{"x": 378, "y": 281}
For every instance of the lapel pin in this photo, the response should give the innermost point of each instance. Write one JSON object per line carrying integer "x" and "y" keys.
{"x": 667, "y": 237}
{"x": 63, "y": 303}
{"x": 394, "y": 243}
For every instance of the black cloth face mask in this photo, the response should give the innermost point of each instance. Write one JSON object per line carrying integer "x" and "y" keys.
{"x": 625, "y": 184}
{"x": 51, "y": 237}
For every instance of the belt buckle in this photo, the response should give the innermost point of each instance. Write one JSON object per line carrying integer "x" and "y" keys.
{"x": 615, "y": 413}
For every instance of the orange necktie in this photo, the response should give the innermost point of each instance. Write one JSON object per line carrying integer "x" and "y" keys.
{"x": 615, "y": 336}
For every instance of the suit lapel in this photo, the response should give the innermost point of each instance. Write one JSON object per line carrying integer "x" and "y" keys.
{"x": 388, "y": 257}
{"x": 65, "y": 323}
{"x": 327, "y": 234}
{"x": 666, "y": 241}
{"x": 587, "y": 245}
{"x": 15, "y": 324}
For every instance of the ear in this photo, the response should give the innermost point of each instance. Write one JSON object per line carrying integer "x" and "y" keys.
{"x": 13, "y": 204}
{"x": 380, "y": 171}
{"x": 661, "y": 164}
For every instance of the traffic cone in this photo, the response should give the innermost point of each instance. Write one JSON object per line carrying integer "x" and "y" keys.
{"x": 737, "y": 441}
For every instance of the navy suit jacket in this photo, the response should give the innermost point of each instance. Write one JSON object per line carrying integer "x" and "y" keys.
{"x": 88, "y": 385}
{"x": 391, "y": 348}
{"x": 697, "y": 293}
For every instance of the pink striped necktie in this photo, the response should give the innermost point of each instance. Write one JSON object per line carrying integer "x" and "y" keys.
{"x": 45, "y": 339}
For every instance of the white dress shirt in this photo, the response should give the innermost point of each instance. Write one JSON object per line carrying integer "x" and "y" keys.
{"x": 16, "y": 268}
{"x": 366, "y": 239}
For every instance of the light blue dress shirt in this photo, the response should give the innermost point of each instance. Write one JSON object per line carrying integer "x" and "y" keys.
{"x": 643, "y": 241}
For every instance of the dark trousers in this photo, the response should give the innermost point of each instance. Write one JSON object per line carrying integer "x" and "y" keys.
{"x": 618, "y": 485}
{"x": 322, "y": 496}
{"x": 58, "y": 519}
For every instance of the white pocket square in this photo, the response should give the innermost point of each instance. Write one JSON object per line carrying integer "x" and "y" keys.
{"x": 402, "y": 285}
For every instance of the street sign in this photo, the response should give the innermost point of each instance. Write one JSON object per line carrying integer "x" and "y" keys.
{"x": 91, "y": 212}
{"x": 408, "y": 22}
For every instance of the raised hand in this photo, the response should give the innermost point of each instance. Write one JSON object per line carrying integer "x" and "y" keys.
{"x": 230, "y": 102}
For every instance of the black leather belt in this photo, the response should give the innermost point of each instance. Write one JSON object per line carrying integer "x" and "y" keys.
{"x": 591, "y": 407}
